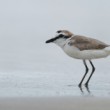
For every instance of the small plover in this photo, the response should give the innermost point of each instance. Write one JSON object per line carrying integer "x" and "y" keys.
{"x": 81, "y": 47}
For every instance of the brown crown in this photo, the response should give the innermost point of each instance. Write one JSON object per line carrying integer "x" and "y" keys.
{"x": 68, "y": 33}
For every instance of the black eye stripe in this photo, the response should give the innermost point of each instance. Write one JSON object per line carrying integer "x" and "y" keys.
{"x": 61, "y": 35}
{"x": 59, "y": 31}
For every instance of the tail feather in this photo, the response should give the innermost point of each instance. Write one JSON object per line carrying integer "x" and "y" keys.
{"x": 107, "y": 49}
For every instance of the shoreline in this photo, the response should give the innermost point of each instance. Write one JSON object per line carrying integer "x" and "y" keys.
{"x": 55, "y": 103}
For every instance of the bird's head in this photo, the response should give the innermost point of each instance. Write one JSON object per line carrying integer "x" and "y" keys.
{"x": 60, "y": 38}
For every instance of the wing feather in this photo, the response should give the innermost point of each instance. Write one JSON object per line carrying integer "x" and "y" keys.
{"x": 85, "y": 43}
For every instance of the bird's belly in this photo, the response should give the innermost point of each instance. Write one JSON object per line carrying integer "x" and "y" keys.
{"x": 85, "y": 54}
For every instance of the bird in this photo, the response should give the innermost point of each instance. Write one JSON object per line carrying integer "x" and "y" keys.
{"x": 81, "y": 47}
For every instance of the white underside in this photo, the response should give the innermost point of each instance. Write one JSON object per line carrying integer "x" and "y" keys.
{"x": 86, "y": 54}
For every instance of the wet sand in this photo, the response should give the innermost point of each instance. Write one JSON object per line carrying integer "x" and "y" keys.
{"x": 55, "y": 103}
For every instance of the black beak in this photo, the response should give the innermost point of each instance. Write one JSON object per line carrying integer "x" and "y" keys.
{"x": 50, "y": 40}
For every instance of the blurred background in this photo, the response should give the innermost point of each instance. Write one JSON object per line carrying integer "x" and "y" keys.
{"x": 26, "y": 60}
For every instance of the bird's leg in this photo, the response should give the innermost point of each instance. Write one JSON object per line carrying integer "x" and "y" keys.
{"x": 93, "y": 69}
{"x": 84, "y": 74}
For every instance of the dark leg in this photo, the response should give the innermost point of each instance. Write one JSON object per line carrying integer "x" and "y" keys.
{"x": 93, "y": 69}
{"x": 85, "y": 73}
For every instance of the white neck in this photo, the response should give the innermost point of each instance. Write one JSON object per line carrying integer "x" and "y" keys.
{"x": 60, "y": 42}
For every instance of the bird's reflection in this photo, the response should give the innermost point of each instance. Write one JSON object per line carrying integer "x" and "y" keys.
{"x": 85, "y": 88}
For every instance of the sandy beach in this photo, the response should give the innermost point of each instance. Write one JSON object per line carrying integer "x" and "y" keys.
{"x": 55, "y": 103}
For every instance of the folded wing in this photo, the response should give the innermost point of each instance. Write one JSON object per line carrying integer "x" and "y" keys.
{"x": 85, "y": 43}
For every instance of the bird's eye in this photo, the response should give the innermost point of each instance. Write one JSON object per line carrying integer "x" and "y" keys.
{"x": 59, "y": 31}
{"x": 61, "y": 35}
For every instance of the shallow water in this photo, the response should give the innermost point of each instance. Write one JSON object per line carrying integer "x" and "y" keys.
{"x": 35, "y": 84}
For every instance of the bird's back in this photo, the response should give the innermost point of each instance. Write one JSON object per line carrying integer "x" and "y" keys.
{"x": 85, "y": 43}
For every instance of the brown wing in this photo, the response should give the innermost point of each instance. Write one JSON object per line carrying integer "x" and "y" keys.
{"x": 85, "y": 43}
